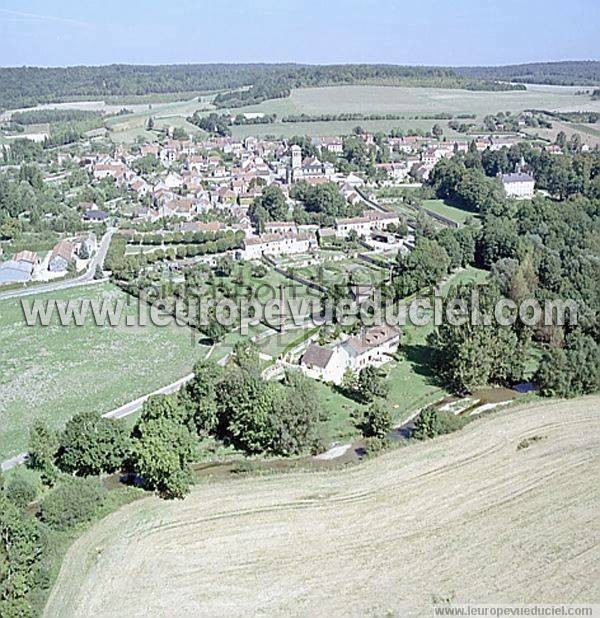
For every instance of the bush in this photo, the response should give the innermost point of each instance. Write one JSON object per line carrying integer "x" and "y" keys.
{"x": 75, "y": 502}
{"x": 431, "y": 423}
{"x": 20, "y": 491}
{"x": 375, "y": 445}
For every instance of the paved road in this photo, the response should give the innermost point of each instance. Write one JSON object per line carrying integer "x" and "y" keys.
{"x": 86, "y": 278}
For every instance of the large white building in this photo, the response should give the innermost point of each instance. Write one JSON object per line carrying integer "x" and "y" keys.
{"x": 277, "y": 244}
{"x": 518, "y": 185}
{"x": 372, "y": 348}
{"x": 372, "y": 220}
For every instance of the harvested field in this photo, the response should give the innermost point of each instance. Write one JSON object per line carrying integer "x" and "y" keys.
{"x": 504, "y": 511}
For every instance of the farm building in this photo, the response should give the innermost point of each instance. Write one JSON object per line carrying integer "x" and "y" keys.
{"x": 372, "y": 347}
{"x": 61, "y": 255}
{"x": 95, "y": 215}
{"x": 323, "y": 364}
{"x": 13, "y": 271}
{"x": 19, "y": 268}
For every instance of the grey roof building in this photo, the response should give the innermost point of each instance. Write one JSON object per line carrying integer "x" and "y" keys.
{"x": 14, "y": 271}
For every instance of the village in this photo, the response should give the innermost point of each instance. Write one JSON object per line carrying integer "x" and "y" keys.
{"x": 193, "y": 189}
{"x": 208, "y": 186}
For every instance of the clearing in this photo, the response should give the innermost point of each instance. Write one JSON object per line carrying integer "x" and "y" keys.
{"x": 504, "y": 511}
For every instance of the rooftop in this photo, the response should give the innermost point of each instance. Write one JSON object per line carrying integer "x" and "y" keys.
{"x": 316, "y": 356}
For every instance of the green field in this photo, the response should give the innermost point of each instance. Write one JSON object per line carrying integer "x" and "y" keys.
{"x": 398, "y": 100}
{"x": 57, "y": 371}
{"x": 447, "y": 210}
{"x": 408, "y": 102}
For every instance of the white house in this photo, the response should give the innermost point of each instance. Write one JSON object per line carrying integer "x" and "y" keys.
{"x": 363, "y": 226}
{"x": 61, "y": 255}
{"x": 280, "y": 227}
{"x": 323, "y": 364}
{"x": 372, "y": 347}
{"x": 518, "y": 185}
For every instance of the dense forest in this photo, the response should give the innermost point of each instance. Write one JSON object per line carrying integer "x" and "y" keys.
{"x": 566, "y": 73}
{"x": 544, "y": 249}
{"x": 40, "y": 116}
{"x": 248, "y": 83}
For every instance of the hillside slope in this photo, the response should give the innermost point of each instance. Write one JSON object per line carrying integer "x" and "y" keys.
{"x": 470, "y": 517}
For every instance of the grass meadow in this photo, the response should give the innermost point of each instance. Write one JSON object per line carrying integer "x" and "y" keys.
{"x": 441, "y": 207}
{"x": 57, "y": 371}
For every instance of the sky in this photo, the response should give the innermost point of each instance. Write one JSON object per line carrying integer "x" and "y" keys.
{"x": 426, "y": 32}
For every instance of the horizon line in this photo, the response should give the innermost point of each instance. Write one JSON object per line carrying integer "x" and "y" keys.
{"x": 299, "y": 64}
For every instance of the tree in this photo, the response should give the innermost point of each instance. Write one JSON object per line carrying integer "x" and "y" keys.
{"x": 163, "y": 447}
{"x": 427, "y": 264}
{"x": 356, "y": 151}
{"x": 471, "y": 355}
{"x": 272, "y": 202}
{"x": 43, "y": 448}
{"x": 21, "y": 546}
{"x": 375, "y": 421}
{"x": 148, "y": 164}
{"x": 164, "y": 406}
{"x": 246, "y": 409}
{"x": 224, "y": 266}
{"x": 213, "y": 329}
{"x": 553, "y": 375}
{"x": 91, "y": 445}
{"x": 246, "y": 355}
{"x": 179, "y": 133}
{"x": 370, "y": 384}
{"x": 437, "y": 131}
{"x": 150, "y": 124}
{"x": 448, "y": 240}
{"x": 200, "y": 396}
{"x": 431, "y": 423}
{"x": 426, "y": 425}
{"x": 162, "y": 452}
{"x": 297, "y": 417}
{"x": 349, "y": 381}
{"x": 572, "y": 371}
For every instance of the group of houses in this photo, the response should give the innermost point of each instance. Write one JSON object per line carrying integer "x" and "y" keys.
{"x": 27, "y": 265}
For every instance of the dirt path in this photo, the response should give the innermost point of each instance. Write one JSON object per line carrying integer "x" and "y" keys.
{"x": 472, "y": 517}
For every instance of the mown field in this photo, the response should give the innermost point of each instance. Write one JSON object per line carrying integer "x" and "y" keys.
{"x": 409, "y": 102}
{"x": 402, "y": 100}
{"x": 57, "y": 371}
{"x": 485, "y": 515}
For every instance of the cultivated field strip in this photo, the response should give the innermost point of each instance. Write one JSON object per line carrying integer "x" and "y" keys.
{"x": 467, "y": 517}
